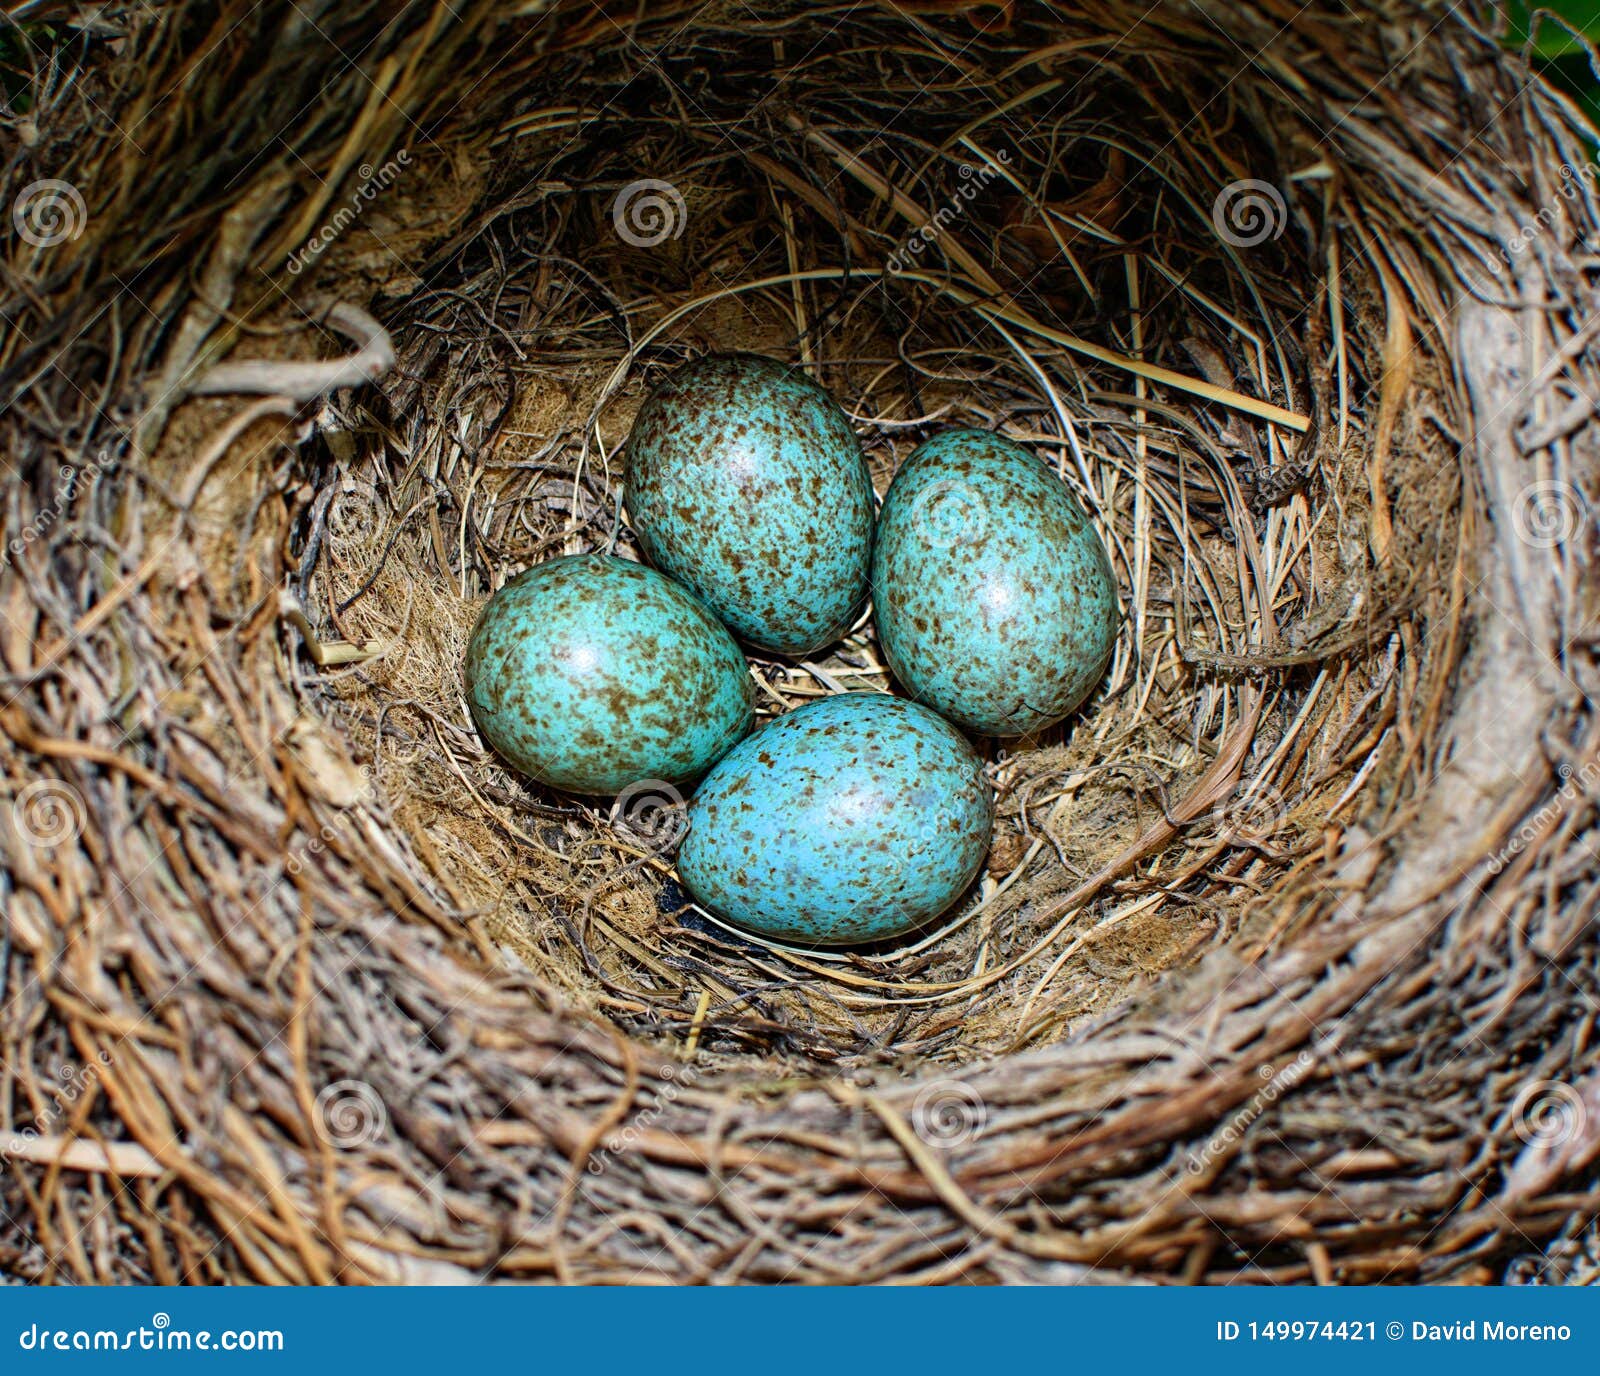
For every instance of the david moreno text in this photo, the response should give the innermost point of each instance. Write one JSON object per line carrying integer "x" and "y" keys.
{"x": 1490, "y": 1331}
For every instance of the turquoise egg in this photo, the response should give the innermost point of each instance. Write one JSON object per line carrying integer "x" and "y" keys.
{"x": 745, "y": 482}
{"x": 853, "y": 818}
{"x": 994, "y": 597}
{"x": 591, "y": 673}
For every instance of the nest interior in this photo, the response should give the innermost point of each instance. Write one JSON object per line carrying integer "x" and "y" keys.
{"x": 1283, "y": 963}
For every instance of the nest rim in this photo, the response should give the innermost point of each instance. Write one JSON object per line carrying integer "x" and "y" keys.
{"x": 1006, "y": 1200}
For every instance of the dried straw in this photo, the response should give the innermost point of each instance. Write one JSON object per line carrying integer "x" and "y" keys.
{"x": 1284, "y": 967}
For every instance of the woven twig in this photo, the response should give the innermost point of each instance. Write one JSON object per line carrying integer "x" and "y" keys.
{"x": 1285, "y": 966}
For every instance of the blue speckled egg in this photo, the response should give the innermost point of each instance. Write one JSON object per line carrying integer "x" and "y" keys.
{"x": 994, "y": 596}
{"x": 853, "y": 818}
{"x": 745, "y": 482}
{"x": 591, "y": 673}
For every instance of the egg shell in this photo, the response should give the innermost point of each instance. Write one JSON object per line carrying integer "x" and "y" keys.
{"x": 590, "y": 673}
{"x": 994, "y": 597}
{"x": 744, "y": 481}
{"x": 853, "y": 818}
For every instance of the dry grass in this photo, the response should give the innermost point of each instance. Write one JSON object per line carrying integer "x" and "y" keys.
{"x": 1343, "y": 681}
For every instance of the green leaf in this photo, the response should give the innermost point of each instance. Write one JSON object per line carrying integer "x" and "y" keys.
{"x": 1559, "y": 54}
{"x": 1551, "y": 39}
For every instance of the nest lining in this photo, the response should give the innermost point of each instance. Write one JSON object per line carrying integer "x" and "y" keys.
{"x": 1250, "y": 787}
{"x": 578, "y": 893}
{"x": 528, "y": 450}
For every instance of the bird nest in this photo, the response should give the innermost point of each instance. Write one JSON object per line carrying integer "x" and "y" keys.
{"x": 323, "y": 320}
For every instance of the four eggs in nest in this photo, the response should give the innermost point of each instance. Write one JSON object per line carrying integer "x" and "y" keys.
{"x": 858, "y": 816}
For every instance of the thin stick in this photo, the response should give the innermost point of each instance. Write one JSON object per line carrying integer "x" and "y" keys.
{"x": 116, "y": 1158}
{"x": 1009, "y": 311}
{"x": 303, "y": 382}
